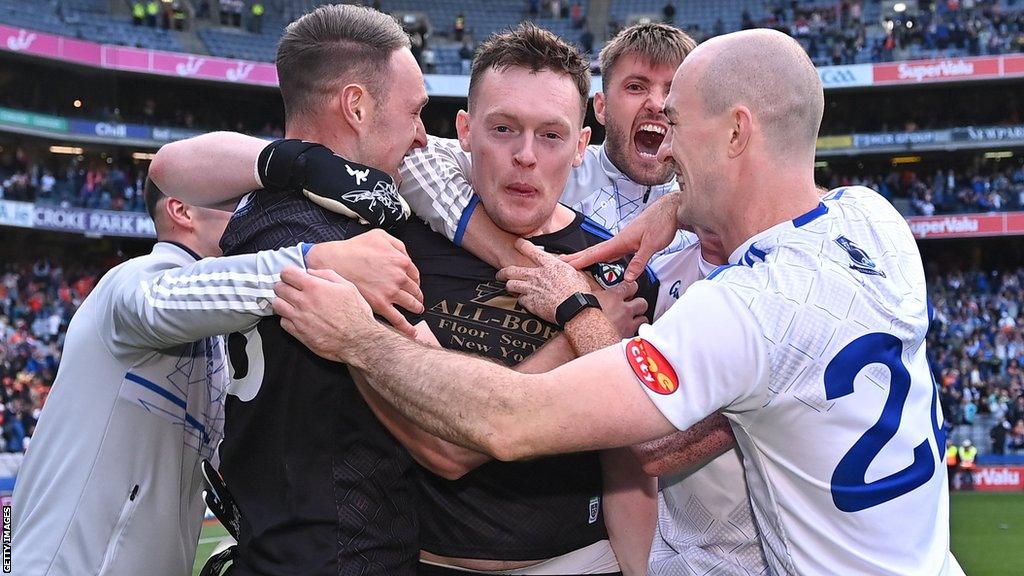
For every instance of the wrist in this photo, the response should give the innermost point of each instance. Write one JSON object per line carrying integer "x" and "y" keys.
{"x": 573, "y": 306}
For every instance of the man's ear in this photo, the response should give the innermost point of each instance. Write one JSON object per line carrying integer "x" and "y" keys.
{"x": 462, "y": 129}
{"x": 356, "y": 104}
{"x": 581, "y": 146}
{"x": 741, "y": 129}
{"x": 178, "y": 213}
{"x": 599, "y": 107}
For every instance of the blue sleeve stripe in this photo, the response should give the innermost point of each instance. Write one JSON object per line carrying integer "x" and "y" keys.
{"x": 596, "y": 229}
{"x": 460, "y": 231}
{"x": 306, "y": 247}
{"x": 811, "y": 216}
{"x": 719, "y": 270}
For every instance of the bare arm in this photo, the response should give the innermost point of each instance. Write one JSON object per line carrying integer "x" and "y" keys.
{"x": 208, "y": 170}
{"x": 631, "y": 509}
{"x": 590, "y": 403}
{"x": 687, "y": 450}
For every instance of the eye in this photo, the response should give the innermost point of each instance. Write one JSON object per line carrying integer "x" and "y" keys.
{"x": 502, "y": 129}
{"x": 552, "y": 136}
{"x": 634, "y": 87}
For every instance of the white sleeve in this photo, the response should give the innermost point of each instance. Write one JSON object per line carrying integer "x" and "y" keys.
{"x": 162, "y": 304}
{"x": 705, "y": 354}
{"x": 435, "y": 183}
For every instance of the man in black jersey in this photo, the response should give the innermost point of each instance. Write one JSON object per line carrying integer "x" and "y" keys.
{"x": 322, "y": 487}
{"x": 528, "y": 95}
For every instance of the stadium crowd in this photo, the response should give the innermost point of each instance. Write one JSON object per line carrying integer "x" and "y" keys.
{"x": 976, "y": 348}
{"x": 943, "y": 191}
{"x": 69, "y": 180}
{"x": 37, "y": 300}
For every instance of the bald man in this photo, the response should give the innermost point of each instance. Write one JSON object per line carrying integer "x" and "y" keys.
{"x": 811, "y": 340}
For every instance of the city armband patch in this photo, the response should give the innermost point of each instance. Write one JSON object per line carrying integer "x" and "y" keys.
{"x": 651, "y": 367}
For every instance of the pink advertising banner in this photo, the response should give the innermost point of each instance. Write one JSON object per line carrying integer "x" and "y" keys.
{"x": 33, "y": 43}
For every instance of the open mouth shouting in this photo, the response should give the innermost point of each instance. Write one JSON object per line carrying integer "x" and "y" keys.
{"x": 648, "y": 138}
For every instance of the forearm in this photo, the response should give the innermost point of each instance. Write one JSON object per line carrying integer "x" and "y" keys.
{"x": 441, "y": 457}
{"x": 208, "y": 170}
{"x": 590, "y": 330}
{"x": 209, "y": 297}
{"x": 631, "y": 509}
{"x": 556, "y": 352}
{"x": 687, "y": 450}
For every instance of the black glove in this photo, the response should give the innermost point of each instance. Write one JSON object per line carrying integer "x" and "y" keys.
{"x": 332, "y": 182}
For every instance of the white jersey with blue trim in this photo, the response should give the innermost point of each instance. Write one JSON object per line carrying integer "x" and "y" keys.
{"x": 705, "y": 523}
{"x": 812, "y": 343}
{"x": 436, "y": 184}
{"x": 112, "y": 483}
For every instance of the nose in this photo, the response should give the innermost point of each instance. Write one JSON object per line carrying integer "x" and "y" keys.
{"x": 665, "y": 150}
{"x": 525, "y": 155}
{"x": 420, "y": 140}
{"x": 655, "y": 102}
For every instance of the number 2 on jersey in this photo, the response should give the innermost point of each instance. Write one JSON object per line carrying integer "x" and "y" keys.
{"x": 850, "y": 491}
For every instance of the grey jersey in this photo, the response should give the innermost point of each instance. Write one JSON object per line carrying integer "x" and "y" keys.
{"x": 111, "y": 484}
{"x": 436, "y": 184}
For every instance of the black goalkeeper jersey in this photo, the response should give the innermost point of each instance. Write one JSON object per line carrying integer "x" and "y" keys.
{"x": 529, "y": 510}
{"x": 323, "y": 487}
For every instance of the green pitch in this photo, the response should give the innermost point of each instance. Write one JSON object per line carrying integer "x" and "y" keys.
{"x": 987, "y": 530}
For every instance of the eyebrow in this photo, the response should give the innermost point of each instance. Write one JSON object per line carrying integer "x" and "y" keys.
{"x": 499, "y": 115}
{"x": 640, "y": 77}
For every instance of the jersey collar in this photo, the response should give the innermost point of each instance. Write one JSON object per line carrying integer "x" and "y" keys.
{"x": 179, "y": 246}
{"x": 756, "y": 248}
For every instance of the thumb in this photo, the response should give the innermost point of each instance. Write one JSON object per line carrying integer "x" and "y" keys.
{"x": 532, "y": 251}
{"x": 637, "y": 264}
{"x": 626, "y": 289}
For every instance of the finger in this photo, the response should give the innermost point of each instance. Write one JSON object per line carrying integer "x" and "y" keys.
{"x": 413, "y": 272}
{"x": 607, "y": 251}
{"x": 287, "y": 292}
{"x": 397, "y": 320}
{"x": 327, "y": 274}
{"x": 406, "y": 300}
{"x": 517, "y": 287}
{"x": 284, "y": 308}
{"x": 637, "y": 264}
{"x": 532, "y": 251}
{"x": 637, "y": 306}
{"x": 626, "y": 289}
{"x": 294, "y": 277}
{"x": 289, "y": 327}
{"x": 513, "y": 273}
{"x": 413, "y": 290}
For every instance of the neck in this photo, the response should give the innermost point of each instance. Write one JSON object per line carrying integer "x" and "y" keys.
{"x": 560, "y": 218}
{"x": 770, "y": 198}
{"x": 337, "y": 137}
{"x": 177, "y": 237}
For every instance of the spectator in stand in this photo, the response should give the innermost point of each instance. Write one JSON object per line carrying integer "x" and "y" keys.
{"x": 466, "y": 56}
{"x": 459, "y": 27}
{"x": 587, "y": 41}
{"x": 576, "y": 14}
{"x": 152, "y": 12}
{"x": 257, "y": 11}
{"x": 138, "y": 13}
{"x": 669, "y": 13}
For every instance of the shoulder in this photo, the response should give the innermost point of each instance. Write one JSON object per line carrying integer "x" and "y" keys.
{"x": 268, "y": 221}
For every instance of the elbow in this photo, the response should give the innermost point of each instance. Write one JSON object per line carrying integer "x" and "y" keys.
{"x": 509, "y": 443}
{"x": 158, "y": 168}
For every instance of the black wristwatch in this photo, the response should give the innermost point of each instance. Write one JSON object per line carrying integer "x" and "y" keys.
{"x": 573, "y": 305}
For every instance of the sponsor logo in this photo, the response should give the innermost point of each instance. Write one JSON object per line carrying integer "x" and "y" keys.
{"x": 651, "y": 367}
{"x": 608, "y": 275}
{"x": 190, "y": 67}
{"x": 113, "y": 130}
{"x": 944, "y": 226}
{"x": 998, "y": 477}
{"x": 861, "y": 261}
{"x": 23, "y": 41}
{"x": 940, "y": 69}
{"x": 359, "y": 175}
{"x": 493, "y": 294}
{"x": 674, "y": 290}
{"x": 240, "y": 72}
{"x": 595, "y": 509}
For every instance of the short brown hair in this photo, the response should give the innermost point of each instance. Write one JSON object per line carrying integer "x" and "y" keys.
{"x": 528, "y": 46}
{"x": 658, "y": 44}
{"x": 152, "y": 194}
{"x": 331, "y": 45}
